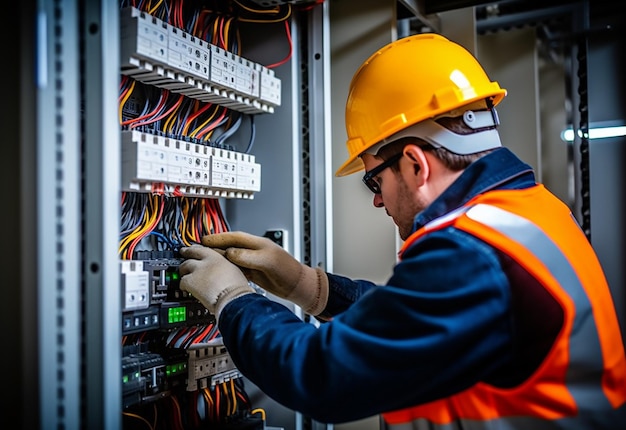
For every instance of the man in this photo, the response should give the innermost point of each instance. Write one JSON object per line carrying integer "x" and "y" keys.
{"x": 497, "y": 315}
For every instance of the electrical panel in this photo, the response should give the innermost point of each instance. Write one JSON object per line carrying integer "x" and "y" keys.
{"x": 160, "y": 54}
{"x": 188, "y": 100}
{"x": 173, "y": 166}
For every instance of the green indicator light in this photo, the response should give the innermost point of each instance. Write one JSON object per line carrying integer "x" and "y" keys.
{"x": 125, "y": 379}
{"x": 178, "y": 314}
{"x": 173, "y": 369}
{"x": 137, "y": 375}
{"x": 175, "y": 276}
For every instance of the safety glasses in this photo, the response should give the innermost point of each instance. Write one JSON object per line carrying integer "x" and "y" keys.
{"x": 368, "y": 178}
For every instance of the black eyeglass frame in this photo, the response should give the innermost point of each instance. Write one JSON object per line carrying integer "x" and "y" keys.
{"x": 368, "y": 178}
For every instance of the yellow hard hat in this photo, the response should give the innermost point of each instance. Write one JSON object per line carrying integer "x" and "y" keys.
{"x": 408, "y": 81}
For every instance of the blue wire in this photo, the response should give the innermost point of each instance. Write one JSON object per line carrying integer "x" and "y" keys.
{"x": 252, "y": 134}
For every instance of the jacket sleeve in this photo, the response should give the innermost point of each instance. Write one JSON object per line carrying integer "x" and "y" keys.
{"x": 440, "y": 325}
{"x": 343, "y": 292}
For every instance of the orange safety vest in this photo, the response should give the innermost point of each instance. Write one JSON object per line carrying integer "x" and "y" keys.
{"x": 581, "y": 383}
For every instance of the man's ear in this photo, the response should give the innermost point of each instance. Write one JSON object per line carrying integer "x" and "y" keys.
{"x": 421, "y": 168}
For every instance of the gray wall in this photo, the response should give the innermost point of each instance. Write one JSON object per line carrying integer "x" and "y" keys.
{"x": 607, "y": 92}
{"x": 364, "y": 244}
{"x": 533, "y": 115}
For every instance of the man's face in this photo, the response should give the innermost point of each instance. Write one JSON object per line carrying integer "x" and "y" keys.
{"x": 399, "y": 196}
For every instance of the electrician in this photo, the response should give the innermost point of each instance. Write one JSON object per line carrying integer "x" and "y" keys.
{"x": 497, "y": 314}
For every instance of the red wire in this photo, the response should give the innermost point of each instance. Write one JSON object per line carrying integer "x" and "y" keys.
{"x": 219, "y": 216}
{"x": 284, "y": 60}
{"x": 311, "y": 6}
{"x": 212, "y": 125}
{"x": 198, "y": 112}
{"x": 164, "y": 114}
{"x": 123, "y": 87}
{"x": 189, "y": 339}
{"x": 221, "y": 33}
{"x": 242, "y": 397}
{"x": 163, "y": 98}
{"x": 131, "y": 248}
{"x": 182, "y": 332}
{"x": 180, "y": 15}
{"x": 201, "y": 336}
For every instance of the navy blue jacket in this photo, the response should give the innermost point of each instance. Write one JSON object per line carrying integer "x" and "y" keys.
{"x": 443, "y": 322}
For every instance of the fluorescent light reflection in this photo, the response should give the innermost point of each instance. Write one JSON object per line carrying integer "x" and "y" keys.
{"x": 595, "y": 133}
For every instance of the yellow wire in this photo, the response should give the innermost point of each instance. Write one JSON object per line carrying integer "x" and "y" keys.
{"x": 126, "y": 97}
{"x": 207, "y": 396}
{"x": 208, "y": 135}
{"x": 191, "y": 222}
{"x": 201, "y": 126}
{"x": 173, "y": 114}
{"x": 273, "y": 10}
{"x": 139, "y": 417}
{"x": 151, "y": 11}
{"x": 129, "y": 238}
{"x": 195, "y": 109}
{"x": 258, "y": 411}
{"x": 226, "y": 30}
{"x": 132, "y": 235}
{"x": 228, "y": 399}
{"x": 234, "y": 394}
{"x": 149, "y": 219}
{"x": 207, "y": 399}
{"x": 169, "y": 122}
{"x": 215, "y": 32}
{"x": 192, "y": 226}
{"x": 183, "y": 230}
{"x": 268, "y": 21}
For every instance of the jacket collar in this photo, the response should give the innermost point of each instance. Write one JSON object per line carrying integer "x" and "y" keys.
{"x": 500, "y": 169}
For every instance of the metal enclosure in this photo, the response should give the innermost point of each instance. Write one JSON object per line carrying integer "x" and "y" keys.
{"x": 67, "y": 222}
{"x": 63, "y": 157}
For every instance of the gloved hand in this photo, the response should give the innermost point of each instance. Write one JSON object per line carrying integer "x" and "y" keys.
{"x": 211, "y": 278}
{"x": 271, "y": 267}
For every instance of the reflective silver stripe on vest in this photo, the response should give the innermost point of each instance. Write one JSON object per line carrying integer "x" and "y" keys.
{"x": 585, "y": 371}
{"x": 585, "y": 356}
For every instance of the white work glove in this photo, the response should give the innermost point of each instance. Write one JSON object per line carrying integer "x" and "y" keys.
{"x": 211, "y": 278}
{"x": 271, "y": 267}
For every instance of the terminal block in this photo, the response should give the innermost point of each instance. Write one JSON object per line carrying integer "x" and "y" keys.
{"x": 209, "y": 364}
{"x": 185, "y": 168}
{"x": 157, "y": 53}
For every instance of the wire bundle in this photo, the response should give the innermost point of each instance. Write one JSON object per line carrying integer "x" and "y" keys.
{"x": 159, "y": 111}
{"x": 226, "y": 402}
{"x": 217, "y": 22}
{"x": 167, "y": 223}
{"x": 184, "y": 337}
